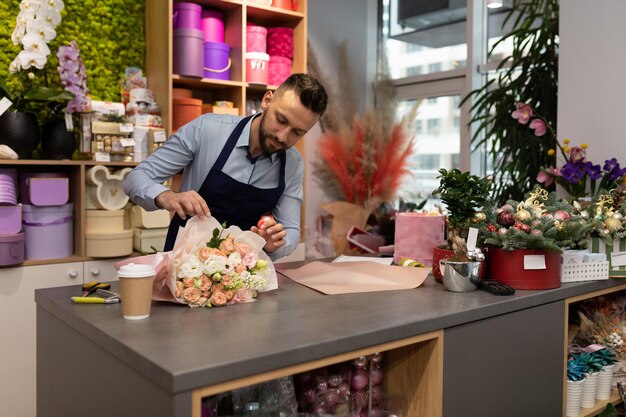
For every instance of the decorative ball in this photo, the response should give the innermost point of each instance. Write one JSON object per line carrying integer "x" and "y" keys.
{"x": 360, "y": 398}
{"x": 507, "y": 207}
{"x": 561, "y": 215}
{"x": 344, "y": 388}
{"x": 377, "y": 394}
{"x": 536, "y": 232}
{"x": 503, "y": 231}
{"x": 309, "y": 396}
{"x": 506, "y": 218}
{"x": 376, "y": 375}
{"x": 548, "y": 216}
{"x": 479, "y": 217}
{"x": 360, "y": 362}
{"x": 377, "y": 357}
{"x": 613, "y": 224}
{"x": 359, "y": 380}
{"x": 334, "y": 380}
{"x": 322, "y": 385}
{"x": 605, "y": 232}
{"x": 584, "y": 214}
{"x": 617, "y": 216}
{"x": 535, "y": 223}
{"x": 523, "y": 227}
{"x": 523, "y": 215}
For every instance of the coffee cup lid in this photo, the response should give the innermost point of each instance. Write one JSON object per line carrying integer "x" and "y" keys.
{"x": 133, "y": 270}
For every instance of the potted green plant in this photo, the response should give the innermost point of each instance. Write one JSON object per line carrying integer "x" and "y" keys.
{"x": 529, "y": 75}
{"x": 607, "y": 360}
{"x": 593, "y": 366}
{"x": 574, "y": 385}
{"x": 463, "y": 194}
{"x": 525, "y": 239}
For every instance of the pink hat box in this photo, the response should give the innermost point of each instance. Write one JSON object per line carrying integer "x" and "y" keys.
{"x": 49, "y": 231}
{"x": 280, "y": 42}
{"x": 256, "y": 67}
{"x": 11, "y": 249}
{"x": 256, "y": 38}
{"x": 279, "y": 69}
{"x": 8, "y": 186}
{"x": 213, "y": 26}
{"x": 10, "y": 219}
{"x": 44, "y": 189}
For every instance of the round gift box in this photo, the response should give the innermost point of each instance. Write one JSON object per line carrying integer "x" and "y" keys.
{"x": 213, "y": 26}
{"x": 256, "y": 38}
{"x": 256, "y": 67}
{"x": 187, "y": 15}
{"x": 279, "y": 69}
{"x": 508, "y": 268}
{"x": 189, "y": 52}
{"x": 216, "y": 60}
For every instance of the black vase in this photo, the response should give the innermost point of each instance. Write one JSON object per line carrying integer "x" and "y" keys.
{"x": 56, "y": 141}
{"x": 20, "y": 132}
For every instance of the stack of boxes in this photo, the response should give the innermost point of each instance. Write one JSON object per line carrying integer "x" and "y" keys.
{"x": 106, "y": 235}
{"x": 149, "y": 229}
{"x": 11, "y": 235}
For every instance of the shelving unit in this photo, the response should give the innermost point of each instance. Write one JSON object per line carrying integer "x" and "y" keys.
{"x": 76, "y": 172}
{"x": 615, "y": 397}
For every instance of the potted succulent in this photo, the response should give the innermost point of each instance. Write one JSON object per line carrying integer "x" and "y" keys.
{"x": 574, "y": 385}
{"x": 525, "y": 239}
{"x": 607, "y": 360}
{"x": 463, "y": 194}
{"x": 593, "y": 366}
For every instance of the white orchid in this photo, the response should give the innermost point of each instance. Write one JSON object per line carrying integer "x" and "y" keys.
{"x": 29, "y": 59}
{"x": 33, "y": 43}
{"x": 42, "y": 29}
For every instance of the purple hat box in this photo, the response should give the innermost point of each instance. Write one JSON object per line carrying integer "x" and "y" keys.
{"x": 11, "y": 249}
{"x": 44, "y": 191}
{"x": 10, "y": 219}
{"x": 49, "y": 231}
{"x": 8, "y": 186}
{"x": 187, "y": 15}
{"x": 189, "y": 52}
{"x": 217, "y": 60}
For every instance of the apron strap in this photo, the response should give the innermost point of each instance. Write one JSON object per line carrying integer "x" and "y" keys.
{"x": 230, "y": 143}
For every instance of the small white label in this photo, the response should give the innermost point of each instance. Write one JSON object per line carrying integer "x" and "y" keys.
{"x": 534, "y": 262}
{"x": 5, "y": 103}
{"x": 472, "y": 238}
{"x": 103, "y": 157}
{"x": 126, "y": 128}
{"x": 127, "y": 142}
{"x": 160, "y": 136}
{"x": 618, "y": 259}
{"x": 69, "y": 123}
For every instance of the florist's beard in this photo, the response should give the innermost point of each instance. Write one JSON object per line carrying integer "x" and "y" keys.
{"x": 269, "y": 143}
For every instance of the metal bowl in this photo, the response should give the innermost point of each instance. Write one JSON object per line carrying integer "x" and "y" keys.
{"x": 460, "y": 276}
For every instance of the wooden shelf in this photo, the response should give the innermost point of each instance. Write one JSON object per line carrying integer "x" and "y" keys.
{"x": 32, "y": 262}
{"x": 180, "y": 80}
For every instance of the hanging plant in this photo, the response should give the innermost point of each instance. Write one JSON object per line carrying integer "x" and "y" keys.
{"x": 529, "y": 75}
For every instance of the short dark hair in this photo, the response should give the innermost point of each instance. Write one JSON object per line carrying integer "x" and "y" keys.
{"x": 310, "y": 91}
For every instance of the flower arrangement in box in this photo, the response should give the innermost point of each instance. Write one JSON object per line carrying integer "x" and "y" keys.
{"x": 606, "y": 214}
{"x": 578, "y": 176}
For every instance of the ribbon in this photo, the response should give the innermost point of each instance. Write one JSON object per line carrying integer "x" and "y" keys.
{"x": 62, "y": 220}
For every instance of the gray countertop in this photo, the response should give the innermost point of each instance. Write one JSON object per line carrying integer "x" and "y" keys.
{"x": 180, "y": 348}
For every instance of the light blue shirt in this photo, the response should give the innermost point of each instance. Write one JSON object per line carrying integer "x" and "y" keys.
{"x": 194, "y": 150}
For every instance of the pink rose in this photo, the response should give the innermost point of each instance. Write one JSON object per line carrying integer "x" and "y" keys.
{"x": 218, "y": 298}
{"x": 250, "y": 260}
{"x": 242, "y": 249}
{"x": 227, "y": 281}
{"x": 538, "y": 126}
{"x": 227, "y": 246}
{"x": 544, "y": 178}
{"x": 192, "y": 295}
{"x": 240, "y": 268}
{"x": 244, "y": 295}
{"x": 206, "y": 283}
{"x": 523, "y": 113}
{"x": 229, "y": 294}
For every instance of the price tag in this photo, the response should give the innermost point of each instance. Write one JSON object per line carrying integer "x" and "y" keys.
{"x": 5, "y": 103}
{"x": 618, "y": 259}
{"x": 472, "y": 238}
{"x": 534, "y": 262}
{"x": 69, "y": 124}
{"x": 160, "y": 136}
{"x": 126, "y": 128}
{"x": 102, "y": 157}
{"x": 127, "y": 142}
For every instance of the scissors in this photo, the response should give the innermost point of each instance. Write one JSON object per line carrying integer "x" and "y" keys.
{"x": 104, "y": 297}
{"x": 91, "y": 287}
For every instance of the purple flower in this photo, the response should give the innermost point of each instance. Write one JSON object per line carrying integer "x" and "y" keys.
{"x": 594, "y": 171}
{"x": 73, "y": 76}
{"x": 613, "y": 170}
{"x": 572, "y": 172}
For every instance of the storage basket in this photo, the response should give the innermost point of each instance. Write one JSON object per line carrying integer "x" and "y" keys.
{"x": 587, "y": 271}
{"x": 149, "y": 219}
{"x": 217, "y": 60}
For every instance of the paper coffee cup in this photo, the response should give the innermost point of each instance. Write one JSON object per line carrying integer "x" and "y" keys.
{"x": 136, "y": 290}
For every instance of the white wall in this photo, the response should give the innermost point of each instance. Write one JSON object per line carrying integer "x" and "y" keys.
{"x": 330, "y": 22}
{"x": 592, "y": 85}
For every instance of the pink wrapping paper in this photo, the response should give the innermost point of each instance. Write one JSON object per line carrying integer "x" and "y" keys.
{"x": 415, "y": 236}
{"x": 355, "y": 277}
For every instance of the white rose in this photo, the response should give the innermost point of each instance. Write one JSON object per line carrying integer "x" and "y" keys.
{"x": 190, "y": 267}
{"x": 213, "y": 264}
{"x": 234, "y": 259}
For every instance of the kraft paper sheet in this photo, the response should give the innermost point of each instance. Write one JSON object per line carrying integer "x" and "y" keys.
{"x": 355, "y": 277}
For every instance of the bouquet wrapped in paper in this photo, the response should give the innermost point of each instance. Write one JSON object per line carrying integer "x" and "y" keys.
{"x": 211, "y": 265}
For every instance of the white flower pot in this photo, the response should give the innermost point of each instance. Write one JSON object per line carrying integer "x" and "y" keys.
{"x": 605, "y": 379}
{"x": 573, "y": 397}
{"x": 590, "y": 388}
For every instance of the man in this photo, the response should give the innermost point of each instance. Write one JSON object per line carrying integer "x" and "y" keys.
{"x": 237, "y": 169}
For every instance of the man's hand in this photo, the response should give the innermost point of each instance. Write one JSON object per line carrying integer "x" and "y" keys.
{"x": 188, "y": 202}
{"x": 273, "y": 233}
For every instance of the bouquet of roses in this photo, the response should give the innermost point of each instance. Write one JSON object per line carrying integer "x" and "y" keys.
{"x": 211, "y": 265}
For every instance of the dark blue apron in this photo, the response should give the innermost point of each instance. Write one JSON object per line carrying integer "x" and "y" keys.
{"x": 229, "y": 200}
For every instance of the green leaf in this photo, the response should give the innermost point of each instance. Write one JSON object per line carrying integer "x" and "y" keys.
{"x": 4, "y": 90}
{"x": 47, "y": 94}
{"x": 609, "y": 411}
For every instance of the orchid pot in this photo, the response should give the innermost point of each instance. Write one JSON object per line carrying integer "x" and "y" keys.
{"x": 20, "y": 132}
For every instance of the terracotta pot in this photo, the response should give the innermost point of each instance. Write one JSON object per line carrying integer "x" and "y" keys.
{"x": 440, "y": 253}
{"x": 20, "y": 132}
{"x": 508, "y": 268}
